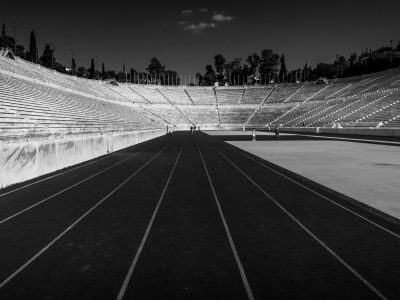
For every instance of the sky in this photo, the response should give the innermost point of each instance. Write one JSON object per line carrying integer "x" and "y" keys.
{"x": 185, "y": 35}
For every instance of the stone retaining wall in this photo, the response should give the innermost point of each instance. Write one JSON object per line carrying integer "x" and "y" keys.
{"x": 27, "y": 159}
{"x": 345, "y": 131}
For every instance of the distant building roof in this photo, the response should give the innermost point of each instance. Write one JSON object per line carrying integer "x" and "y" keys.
{"x": 7, "y": 52}
{"x": 322, "y": 80}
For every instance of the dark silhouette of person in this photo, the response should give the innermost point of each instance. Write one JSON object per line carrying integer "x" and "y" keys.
{"x": 276, "y": 137}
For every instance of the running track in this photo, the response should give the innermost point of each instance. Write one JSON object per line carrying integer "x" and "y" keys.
{"x": 190, "y": 217}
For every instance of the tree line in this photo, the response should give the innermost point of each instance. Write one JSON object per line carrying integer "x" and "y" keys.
{"x": 270, "y": 67}
{"x": 155, "y": 73}
{"x": 267, "y": 67}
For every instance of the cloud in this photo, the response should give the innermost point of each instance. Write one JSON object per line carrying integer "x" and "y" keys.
{"x": 197, "y": 28}
{"x": 187, "y": 12}
{"x": 222, "y": 18}
{"x": 200, "y": 19}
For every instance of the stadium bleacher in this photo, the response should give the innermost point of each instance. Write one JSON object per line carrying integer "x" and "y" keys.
{"x": 377, "y": 110}
{"x": 394, "y": 122}
{"x": 126, "y": 92}
{"x": 36, "y": 99}
{"x": 152, "y": 95}
{"x": 294, "y": 112}
{"x": 255, "y": 95}
{"x": 284, "y": 92}
{"x": 266, "y": 113}
{"x": 229, "y": 96}
{"x": 201, "y": 114}
{"x": 32, "y": 107}
{"x": 308, "y": 92}
{"x": 201, "y": 95}
{"x": 176, "y": 95}
{"x": 170, "y": 113}
{"x": 234, "y": 114}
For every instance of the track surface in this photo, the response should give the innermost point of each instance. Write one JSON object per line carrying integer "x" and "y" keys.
{"x": 190, "y": 217}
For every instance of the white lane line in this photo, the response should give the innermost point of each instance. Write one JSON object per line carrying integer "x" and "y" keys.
{"x": 61, "y": 173}
{"x": 319, "y": 241}
{"x": 72, "y": 186}
{"x": 346, "y": 139}
{"x": 320, "y": 195}
{"x": 228, "y": 233}
{"x": 33, "y": 258}
{"x": 146, "y": 234}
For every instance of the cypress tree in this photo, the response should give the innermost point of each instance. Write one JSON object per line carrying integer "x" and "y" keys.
{"x": 73, "y": 66}
{"x": 92, "y": 69}
{"x": 33, "y": 48}
{"x": 283, "y": 69}
{"x": 103, "y": 71}
{"x": 124, "y": 71}
{"x": 4, "y": 36}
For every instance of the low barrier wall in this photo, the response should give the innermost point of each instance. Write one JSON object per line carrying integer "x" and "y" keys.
{"x": 24, "y": 160}
{"x": 345, "y": 131}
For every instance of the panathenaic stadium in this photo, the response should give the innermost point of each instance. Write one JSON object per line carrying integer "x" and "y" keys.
{"x": 282, "y": 191}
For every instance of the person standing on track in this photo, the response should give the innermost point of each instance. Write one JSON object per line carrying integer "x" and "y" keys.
{"x": 276, "y": 137}
{"x": 253, "y": 133}
{"x": 191, "y": 129}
